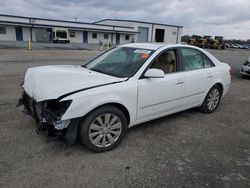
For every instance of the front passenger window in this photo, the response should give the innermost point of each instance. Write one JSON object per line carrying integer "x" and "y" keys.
{"x": 166, "y": 62}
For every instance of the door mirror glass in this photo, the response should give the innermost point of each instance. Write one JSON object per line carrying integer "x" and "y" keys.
{"x": 154, "y": 73}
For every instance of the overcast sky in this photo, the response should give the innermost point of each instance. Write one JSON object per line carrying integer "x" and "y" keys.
{"x": 230, "y": 18}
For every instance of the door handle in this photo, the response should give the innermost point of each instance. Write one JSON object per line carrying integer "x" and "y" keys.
{"x": 210, "y": 76}
{"x": 179, "y": 82}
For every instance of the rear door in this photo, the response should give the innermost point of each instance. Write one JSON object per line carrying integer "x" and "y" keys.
{"x": 85, "y": 36}
{"x": 117, "y": 38}
{"x": 198, "y": 75}
{"x": 19, "y": 33}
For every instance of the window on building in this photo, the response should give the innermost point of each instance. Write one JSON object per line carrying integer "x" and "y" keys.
{"x": 72, "y": 33}
{"x": 106, "y": 35}
{"x": 126, "y": 37}
{"x": 174, "y": 33}
{"x": 2, "y": 30}
{"x": 94, "y": 35}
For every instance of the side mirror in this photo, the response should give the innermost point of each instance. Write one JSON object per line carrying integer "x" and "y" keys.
{"x": 154, "y": 73}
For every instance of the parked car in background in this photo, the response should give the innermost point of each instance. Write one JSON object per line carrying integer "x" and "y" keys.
{"x": 236, "y": 46}
{"x": 245, "y": 68}
{"x": 228, "y": 45}
{"x": 246, "y": 46}
{"x": 125, "y": 86}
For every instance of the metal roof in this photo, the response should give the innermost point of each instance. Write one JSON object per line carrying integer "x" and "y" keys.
{"x": 136, "y": 21}
{"x": 44, "y": 22}
{"x": 56, "y": 20}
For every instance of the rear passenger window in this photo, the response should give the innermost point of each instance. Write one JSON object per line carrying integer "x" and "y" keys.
{"x": 207, "y": 62}
{"x": 193, "y": 59}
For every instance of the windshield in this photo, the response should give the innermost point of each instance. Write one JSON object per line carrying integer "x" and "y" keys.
{"x": 121, "y": 62}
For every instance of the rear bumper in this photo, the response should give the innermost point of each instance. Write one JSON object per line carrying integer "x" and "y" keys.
{"x": 226, "y": 89}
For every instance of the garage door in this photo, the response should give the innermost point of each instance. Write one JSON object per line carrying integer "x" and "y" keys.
{"x": 143, "y": 34}
{"x": 42, "y": 36}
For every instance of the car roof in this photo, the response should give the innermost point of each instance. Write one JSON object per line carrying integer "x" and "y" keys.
{"x": 150, "y": 46}
{"x": 156, "y": 46}
{"x": 153, "y": 46}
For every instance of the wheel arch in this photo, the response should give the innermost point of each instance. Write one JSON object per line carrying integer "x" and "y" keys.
{"x": 220, "y": 85}
{"x": 206, "y": 92}
{"x": 203, "y": 107}
{"x": 117, "y": 105}
{"x": 216, "y": 83}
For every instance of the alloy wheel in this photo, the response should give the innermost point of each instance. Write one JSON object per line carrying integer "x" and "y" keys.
{"x": 213, "y": 99}
{"x": 105, "y": 130}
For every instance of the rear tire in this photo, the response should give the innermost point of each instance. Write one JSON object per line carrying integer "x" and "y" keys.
{"x": 212, "y": 99}
{"x": 103, "y": 129}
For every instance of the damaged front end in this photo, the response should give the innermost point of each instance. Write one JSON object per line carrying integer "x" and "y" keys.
{"x": 48, "y": 116}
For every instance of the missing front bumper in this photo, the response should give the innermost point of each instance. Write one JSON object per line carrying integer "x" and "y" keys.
{"x": 47, "y": 116}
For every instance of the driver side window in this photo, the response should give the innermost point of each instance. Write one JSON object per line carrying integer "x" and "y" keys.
{"x": 166, "y": 62}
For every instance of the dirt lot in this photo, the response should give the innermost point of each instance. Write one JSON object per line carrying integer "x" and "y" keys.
{"x": 188, "y": 149}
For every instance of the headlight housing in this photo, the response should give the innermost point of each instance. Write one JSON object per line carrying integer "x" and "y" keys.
{"x": 53, "y": 110}
{"x": 246, "y": 63}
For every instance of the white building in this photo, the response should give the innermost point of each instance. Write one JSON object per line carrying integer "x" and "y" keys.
{"x": 114, "y": 31}
{"x": 147, "y": 31}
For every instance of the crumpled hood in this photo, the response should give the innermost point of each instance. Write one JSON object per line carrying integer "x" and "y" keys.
{"x": 50, "y": 82}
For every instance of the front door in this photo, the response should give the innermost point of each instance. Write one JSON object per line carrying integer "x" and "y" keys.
{"x": 159, "y": 35}
{"x": 49, "y": 30}
{"x": 19, "y": 33}
{"x": 117, "y": 38}
{"x": 85, "y": 37}
{"x": 161, "y": 96}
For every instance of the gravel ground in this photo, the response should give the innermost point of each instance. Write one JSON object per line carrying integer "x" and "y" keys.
{"x": 188, "y": 149}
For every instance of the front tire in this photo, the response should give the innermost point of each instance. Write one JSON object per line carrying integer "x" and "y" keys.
{"x": 212, "y": 99}
{"x": 103, "y": 129}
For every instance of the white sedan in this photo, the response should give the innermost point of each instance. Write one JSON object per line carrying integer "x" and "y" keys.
{"x": 125, "y": 86}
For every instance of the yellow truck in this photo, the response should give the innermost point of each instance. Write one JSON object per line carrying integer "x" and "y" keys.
{"x": 204, "y": 41}
{"x": 217, "y": 43}
{"x": 194, "y": 40}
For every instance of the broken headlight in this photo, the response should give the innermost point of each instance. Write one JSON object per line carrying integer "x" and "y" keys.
{"x": 53, "y": 110}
